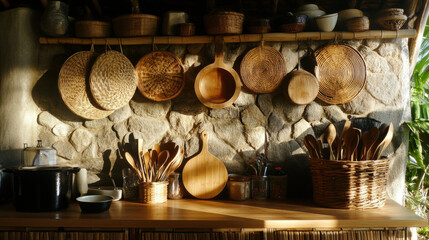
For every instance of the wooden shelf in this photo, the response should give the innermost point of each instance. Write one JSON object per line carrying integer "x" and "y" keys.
{"x": 192, "y": 213}
{"x": 270, "y": 37}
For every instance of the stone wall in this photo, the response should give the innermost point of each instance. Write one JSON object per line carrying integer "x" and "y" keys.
{"x": 254, "y": 123}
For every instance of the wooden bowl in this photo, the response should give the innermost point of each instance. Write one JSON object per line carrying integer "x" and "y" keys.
{"x": 390, "y": 12}
{"x": 258, "y": 25}
{"x": 347, "y": 14}
{"x": 187, "y": 29}
{"x": 392, "y": 22}
{"x": 293, "y": 27}
{"x": 358, "y": 24}
{"x": 300, "y": 87}
{"x": 92, "y": 29}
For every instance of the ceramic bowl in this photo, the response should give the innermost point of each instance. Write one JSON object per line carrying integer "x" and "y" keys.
{"x": 110, "y": 191}
{"x": 94, "y": 203}
{"x": 326, "y": 23}
{"x": 307, "y": 7}
{"x": 311, "y": 13}
{"x": 347, "y": 14}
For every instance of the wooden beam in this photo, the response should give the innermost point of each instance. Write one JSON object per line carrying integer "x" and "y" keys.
{"x": 414, "y": 45}
{"x": 270, "y": 37}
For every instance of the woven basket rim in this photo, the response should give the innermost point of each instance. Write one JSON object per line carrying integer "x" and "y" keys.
{"x": 138, "y": 16}
{"x": 92, "y": 22}
{"x": 383, "y": 159}
{"x": 226, "y": 13}
{"x": 154, "y": 183}
{"x": 392, "y": 17}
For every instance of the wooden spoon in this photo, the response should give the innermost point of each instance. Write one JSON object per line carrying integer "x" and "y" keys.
{"x": 313, "y": 145}
{"x": 331, "y": 134}
{"x": 351, "y": 141}
{"x": 132, "y": 163}
{"x": 387, "y": 137}
{"x": 310, "y": 149}
{"x": 368, "y": 139}
{"x": 347, "y": 125}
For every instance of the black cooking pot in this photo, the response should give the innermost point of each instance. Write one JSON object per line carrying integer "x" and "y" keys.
{"x": 37, "y": 189}
{"x": 5, "y": 186}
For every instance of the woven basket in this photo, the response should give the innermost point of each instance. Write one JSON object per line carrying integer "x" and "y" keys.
{"x": 341, "y": 73}
{"x": 73, "y": 86}
{"x": 113, "y": 80}
{"x": 153, "y": 192}
{"x": 224, "y": 23}
{"x": 263, "y": 69}
{"x": 92, "y": 29}
{"x": 349, "y": 184}
{"x": 161, "y": 76}
{"x": 392, "y": 22}
{"x": 135, "y": 25}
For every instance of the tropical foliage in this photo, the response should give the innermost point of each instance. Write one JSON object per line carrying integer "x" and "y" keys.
{"x": 417, "y": 175}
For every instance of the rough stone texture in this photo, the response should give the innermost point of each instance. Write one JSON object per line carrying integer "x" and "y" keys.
{"x": 194, "y": 48}
{"x": 389, "y": 49}
{"x": 275, "y": 122}
{"x": 81, "y": 139}
{"x": 47, "y": 137}
{"x": 372, "y": 43}
{"x": 384, "y": 87}
{"x": 301, "y": 129}
{"x": 178, "y": 49}
{"x": 245, "y": 99}
{"x": 225, "y": 113}
{"x": 191, "y": 60}
{"x": 120, "y": 129}
{"x": 121, "y": 114}
{"x": 291, "y": 111}
{"x": 149, "y": 108}
{"x": 256, "y": 137}
{"x": 231, "y": 131}
{"x": 106, "y": 140}
{"x": 48, "y": 120}
{"x": 65, "y": 150}
{"x": 284, "y": 134}
{"x": 61, "y": 129}
{"x": 334, "y": 113}
{"x": 388, "y": 115}
{"x": 363, "y": 103}
{"x": 252, "y": 117}
{"x": 98, "y": 123}
{"x": 91, "y": 152}
{"x": 291, "y": 58}
{"x": 374, "y": 62}
{"x": 320, "y": 126}
{"x": 181, "y": 123}
{"x": 150, "y": 129}
{"x": 313, "y": 112}
{"x": 265, "y": 104}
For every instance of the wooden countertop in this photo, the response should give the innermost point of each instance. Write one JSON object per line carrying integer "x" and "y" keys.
{"x": 191, "y": 213}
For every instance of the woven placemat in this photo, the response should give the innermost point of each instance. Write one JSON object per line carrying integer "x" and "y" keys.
{"x": 263, "y": 69}
{"x": 73, "y": 86}
{"x": 113, "y": 80}
{"x": 161, "y": 75}
{"x": 341, "y": 73}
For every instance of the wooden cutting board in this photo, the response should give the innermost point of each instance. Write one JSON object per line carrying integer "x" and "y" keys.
{"x": 204, "y": 176}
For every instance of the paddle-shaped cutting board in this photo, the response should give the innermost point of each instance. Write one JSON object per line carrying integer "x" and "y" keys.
{"x": 204, "y": 176}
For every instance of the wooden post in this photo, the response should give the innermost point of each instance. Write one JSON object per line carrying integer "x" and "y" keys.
{"x": 415, "y": 43}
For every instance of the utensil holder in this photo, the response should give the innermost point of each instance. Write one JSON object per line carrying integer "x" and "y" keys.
{"x": 349, "y": 184}
{"x": 153, "y": 192}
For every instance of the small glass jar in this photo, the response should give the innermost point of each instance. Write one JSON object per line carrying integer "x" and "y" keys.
{"x": 239, "y": 187}
{"x": 260, "y": 187}
{"x": 175, "y": 186}
{"x": 278, "y": 186}
{"x": 130, "y": 184}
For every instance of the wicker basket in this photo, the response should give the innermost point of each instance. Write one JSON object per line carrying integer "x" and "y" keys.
{"x": 392, "y": 22}
{"x": 92, "y": 29}
{"x": 135, "y": 25}
{"x": 349, "y": 184}
{"x": 153, "y": 192}
{"x": 224, "y": 23}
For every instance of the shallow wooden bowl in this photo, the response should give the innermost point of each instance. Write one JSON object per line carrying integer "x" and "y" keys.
{"x": 358, "y": 24}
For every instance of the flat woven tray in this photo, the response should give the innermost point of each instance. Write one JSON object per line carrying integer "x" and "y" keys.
{"x": 341, "y": 73}
{"x": 113, "y": 80}
{"x": 263, "y": 69}
{"x": 73, "y": 86}
{"x": 161, "y": 75}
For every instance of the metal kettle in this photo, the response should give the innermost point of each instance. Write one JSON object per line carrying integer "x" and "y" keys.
{"x": 39, "y": 155}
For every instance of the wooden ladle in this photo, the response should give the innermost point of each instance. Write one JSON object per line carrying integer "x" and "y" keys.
{"x": 386, "y": 138}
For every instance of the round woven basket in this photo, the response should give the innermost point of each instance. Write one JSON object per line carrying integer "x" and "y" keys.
{"x": 73, "y": 86}
{"x": 161, "y": 75}
{"x": 135, "y": 25}
{"x": 153, "y": 192}
{"x": 224, "y": 23}
{"x": 113, "y": 80}
{"x": 263, "y": 69}
{"x": 341, "y": 73}
{"x": 92, "y": 29}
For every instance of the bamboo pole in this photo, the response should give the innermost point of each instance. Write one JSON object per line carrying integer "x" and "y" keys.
{"x": 271, "y": 37}
{"x": 417, "y": 41}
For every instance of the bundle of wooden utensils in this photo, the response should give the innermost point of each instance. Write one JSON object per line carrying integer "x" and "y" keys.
{"x": 352, "y": 144}
{"x": 157, "y": 164}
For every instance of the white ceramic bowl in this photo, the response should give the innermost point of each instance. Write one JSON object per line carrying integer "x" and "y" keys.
{"x": 116, "y": 194}
{"x": 326, "y": 23}
{"x": 307, "y": 7}
{"x": 347, "y": 14}
{"x": 311, "y": 13}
